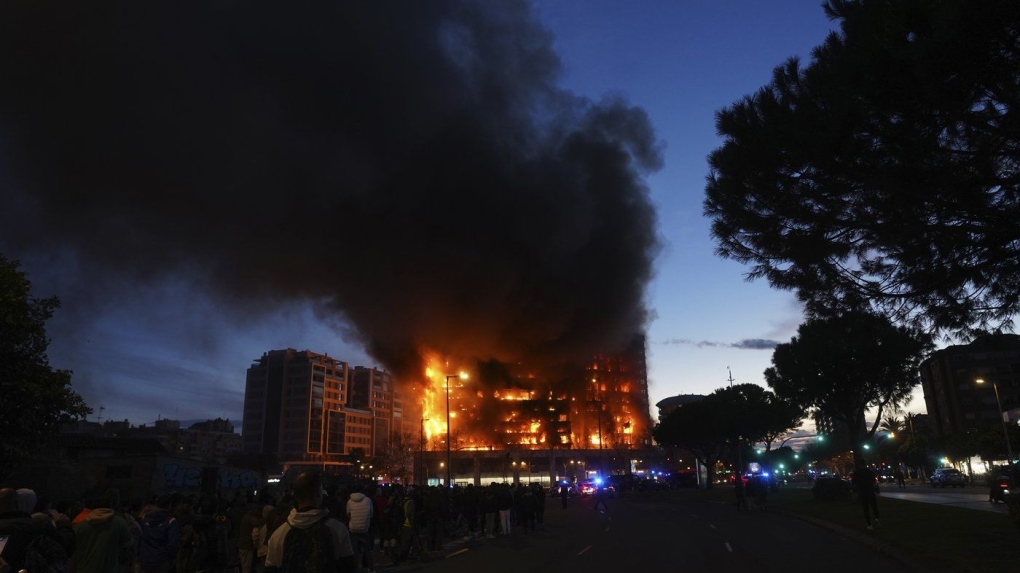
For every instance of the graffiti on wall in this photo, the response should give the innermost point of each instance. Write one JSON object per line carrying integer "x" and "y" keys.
{"x": 176, "y": 476}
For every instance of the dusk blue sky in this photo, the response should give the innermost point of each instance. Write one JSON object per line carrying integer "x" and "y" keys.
{"x": 172, "y": 351}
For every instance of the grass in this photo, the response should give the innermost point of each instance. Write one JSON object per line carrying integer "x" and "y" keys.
{"x": 936, "y": 537}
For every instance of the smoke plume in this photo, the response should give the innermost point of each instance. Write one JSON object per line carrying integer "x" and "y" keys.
{"x": 412, "y": 167}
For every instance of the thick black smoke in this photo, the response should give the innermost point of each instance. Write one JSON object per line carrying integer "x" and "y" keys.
{"x": 412, "y": 166}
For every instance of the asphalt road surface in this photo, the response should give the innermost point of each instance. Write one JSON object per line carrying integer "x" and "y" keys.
{"x": 657, "y": 533}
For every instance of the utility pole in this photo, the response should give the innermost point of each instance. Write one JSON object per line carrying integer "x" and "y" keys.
{"x": 731, "y": 376}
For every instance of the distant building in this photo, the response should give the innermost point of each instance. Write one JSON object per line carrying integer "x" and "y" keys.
{"x": 293, "y": 403}
{"x": 955, "y": 401}
{"x": 669, "y": 405}
{"x": 304, "y": 407}
{"x": 374, "y": 391}
{"x": 210, "y": 441}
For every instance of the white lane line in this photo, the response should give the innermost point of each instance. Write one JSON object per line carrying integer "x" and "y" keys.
{"x": 458, "y": 552}
{"x": 728, "y": 548}
{"x": 712, "y": 526}
{"x": 585, "y": 549}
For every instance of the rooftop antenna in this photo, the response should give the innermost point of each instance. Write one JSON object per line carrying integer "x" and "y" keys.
{"x": 731, "y": 376}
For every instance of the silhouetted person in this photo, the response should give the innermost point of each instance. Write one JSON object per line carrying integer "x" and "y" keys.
{"x": 864, "y": 482}
{"x": 738, "y": 491}
{"x": 600, "y": 498}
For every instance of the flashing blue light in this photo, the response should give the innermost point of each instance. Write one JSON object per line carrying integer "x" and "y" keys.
{"x": 765, "y": 474}
{"x": 598, "y": 481}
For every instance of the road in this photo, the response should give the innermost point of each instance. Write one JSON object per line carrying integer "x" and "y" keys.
{"x": 660, "y": 533}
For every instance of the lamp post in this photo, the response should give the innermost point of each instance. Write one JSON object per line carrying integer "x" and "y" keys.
{"x": 1002, "y": 418}
{"x": 462, "y": 376}
{"x": 598, "y": 401}
{"x": 421, "y": 452}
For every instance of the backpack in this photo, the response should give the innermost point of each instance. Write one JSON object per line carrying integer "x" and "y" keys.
{"x": 309, "y": 550}
{"x": 194, "y": 551}
{"x": 45, "y": 555}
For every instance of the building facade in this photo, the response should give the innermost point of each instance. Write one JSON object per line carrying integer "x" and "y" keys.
{"x": 305, "y": 407}
{"x": 292, "y": 405}
{"x": 956, "y": 402}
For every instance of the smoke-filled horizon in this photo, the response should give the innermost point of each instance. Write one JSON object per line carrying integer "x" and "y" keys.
{"x": 412, "y": 168}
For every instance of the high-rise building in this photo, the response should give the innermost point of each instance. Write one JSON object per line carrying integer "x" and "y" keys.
{"x": 294, "y": 406}
{"x": 955, "y": 401}
{"x": 374, "y": 390}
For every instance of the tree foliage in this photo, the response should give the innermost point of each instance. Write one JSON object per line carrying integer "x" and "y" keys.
{"x": 725, "y": 420}
{"x": 845, "y": 365}
{"x": 886, "y": 172}
{"x": 695, "y": 427}
{"x": 34, "y": 398}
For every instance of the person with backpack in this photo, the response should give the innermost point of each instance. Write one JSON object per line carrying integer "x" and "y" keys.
{"x": 410, "y": 528}
{"x": 310, "y": 541}
{"x": 197, "y": 549}
{"x": 392, "y": 524}
{"x": 32, "y": 544}
{"x": 260, "y": 538}
{"x": 250, "y": 521}
{"x": 101, "y": 537}
{"x": 161, "y": 537}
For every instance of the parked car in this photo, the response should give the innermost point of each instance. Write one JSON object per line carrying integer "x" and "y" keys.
{"x": 999, "y": 486}
{"x": 589, "y": 487}
{"x": 831, "y": 489}
{"x": 948, "y": 477}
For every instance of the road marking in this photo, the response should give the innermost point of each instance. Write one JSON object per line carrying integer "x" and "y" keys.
{"x": 585, "y": 549}
{"x": 457, "y": 552}
{"x": 728, "y": 548}
{"x": 712, "y": 526}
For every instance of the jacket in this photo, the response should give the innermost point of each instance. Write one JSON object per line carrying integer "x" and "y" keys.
{"x": 161, "y": 535}
{"x": 359, "y": 513}
{"x": 342, "y": 548}
{"x": 99, "y": 539}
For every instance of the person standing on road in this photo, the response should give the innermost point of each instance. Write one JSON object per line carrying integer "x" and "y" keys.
{"x": 864, "y": 482}
{"x": 600, "y": 498}
{"x": 564, "y": 492}
{"x": 900, "y": 478}
{"x": 738, "y": 491}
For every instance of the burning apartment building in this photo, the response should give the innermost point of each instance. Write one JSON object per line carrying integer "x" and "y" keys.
{"x": 602, "y": 403}
{"x": 308, "y": 408}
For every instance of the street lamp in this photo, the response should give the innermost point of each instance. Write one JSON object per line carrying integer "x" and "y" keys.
{"x": 1002, "y": 418}
{"x": 421, "y": 452}
{"x": 462, "y": 376}
{"x": 602, "y": 457}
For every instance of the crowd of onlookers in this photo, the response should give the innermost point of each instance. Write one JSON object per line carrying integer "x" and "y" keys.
{"x": 192, "y": 533}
